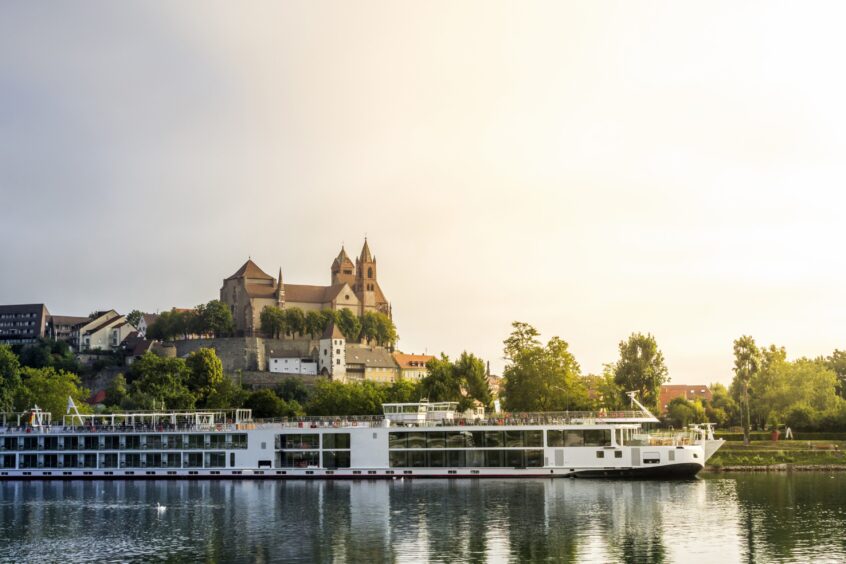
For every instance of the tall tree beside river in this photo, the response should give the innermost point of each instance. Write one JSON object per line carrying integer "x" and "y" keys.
{"x": 747, "y": 363}
{"x": 541, "y": 378}
{"x": 641, "y": 368}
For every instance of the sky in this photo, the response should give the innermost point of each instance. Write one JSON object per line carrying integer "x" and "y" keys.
{"x": 592, "y": 168}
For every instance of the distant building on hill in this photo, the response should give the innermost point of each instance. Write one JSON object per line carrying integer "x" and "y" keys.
{"x": 412, "y": 366}
{"x": 670, "y": 392}
{"x": 105, "y": 330}
{"x": 353, "y": 286}
{"x": 22, "y": 324}
{"x": 61, "y": 327}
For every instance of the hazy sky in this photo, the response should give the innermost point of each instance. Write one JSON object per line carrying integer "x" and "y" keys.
{"x": 592, "y": 168}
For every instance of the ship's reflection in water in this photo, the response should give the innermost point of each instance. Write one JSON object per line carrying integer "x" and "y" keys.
{"x": 726, "y": 519}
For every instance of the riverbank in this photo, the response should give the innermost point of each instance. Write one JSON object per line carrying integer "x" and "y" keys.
{"x": 779, "y": 456}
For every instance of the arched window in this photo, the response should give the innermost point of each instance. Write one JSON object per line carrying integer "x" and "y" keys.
{"x": 370, "y": 272}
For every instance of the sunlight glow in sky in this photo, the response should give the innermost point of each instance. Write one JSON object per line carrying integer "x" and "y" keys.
{"x": 591, "y": 168}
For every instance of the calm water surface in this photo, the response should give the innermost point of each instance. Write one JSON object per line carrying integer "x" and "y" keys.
{"x": 728, "y": 518}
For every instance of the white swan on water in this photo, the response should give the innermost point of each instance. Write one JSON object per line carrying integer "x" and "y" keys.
{"x": 160, "y": 507}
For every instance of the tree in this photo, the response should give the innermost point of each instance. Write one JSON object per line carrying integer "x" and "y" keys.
{"x": 722, "y": 409}
{"x": 472, "y": 372}
{"x": 266, "y": 404}
{"x": 349, "y": 324}
{"x": 117, "y": 391}
{"x": 837, "y": 363}
{"x": 205, "y": 374}
{"x": 49, "y": 389}
{"x": 228, "y": 394}
{"x": 369, "y": 326}
{"x": 747, "y": 363}
{"x": 216, "y": 318}
{"x": 641, "y": 368}
{"x": 328, "y": 316}
{"x": 294, "y": 321}
{"x": 314, "y": 323}
{"x": 10, "y": 378}
{"x": 293, "y": 389}
{"x": 403, "y": 391}
{"x": 386, "y": 331}
{"x": 356, "y": 398}
{"x": 272, "y": 322}
{"x": 160, "y": 383}
{"x": 681, "y": 412}
{"x": 442, "y": 383}
{"x": 134, "y": 317}
{"x": 541, "y": 378}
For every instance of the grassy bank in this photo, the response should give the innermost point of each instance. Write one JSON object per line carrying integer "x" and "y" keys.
{"x": 779, "y": 455}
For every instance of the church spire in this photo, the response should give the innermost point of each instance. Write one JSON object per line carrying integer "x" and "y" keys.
{"x": 366, "y": 256}
{"x": 280, "y": 290}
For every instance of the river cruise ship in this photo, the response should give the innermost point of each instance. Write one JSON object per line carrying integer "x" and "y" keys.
{"x": 413, "y": 440}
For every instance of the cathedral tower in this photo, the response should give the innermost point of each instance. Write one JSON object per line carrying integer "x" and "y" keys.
{"x": 343, "y": 271}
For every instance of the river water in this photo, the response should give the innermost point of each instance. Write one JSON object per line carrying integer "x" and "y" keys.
{"x": 719, "y": 518}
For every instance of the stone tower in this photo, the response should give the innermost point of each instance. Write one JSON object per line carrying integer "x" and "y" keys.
{"x": 365, "y": 270}
{"x": 343, "y": 270}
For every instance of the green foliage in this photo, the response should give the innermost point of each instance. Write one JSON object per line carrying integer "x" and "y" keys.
{"x": 293, "y": 389}
{"x": 403, "y": 391}
{"x": 462, "y": 381}
{"x": 837, "y": 364}
{"x": 160, "y": 383}
{"x": 378, "y": 327}
{"x": 349, "y": 324}
{"x": 314, "y": 324}
{"x": 49, "y": 389}
{"x": 205, "y": 374}
{"x": 117, "y": 392}
{"x": 747, "y": 363}
{"x": 641, "y": 368}
{"x": 134, "y": 317}
{"x": 541, "y": 378}
{"x": 294, "y": 321}
{"x": 49, "y": 353}
{"x": 213, "y": 318}
{"x": 336, "y": 398}
{"x": 722, "y": 409}
{"x": 266, "y": 404}
{"x": 682, "y": 412}
{"x": 272, "y": 322}
{"x": 10, "y": 377}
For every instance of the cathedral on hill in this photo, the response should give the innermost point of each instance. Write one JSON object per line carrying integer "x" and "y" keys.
{"x": 353, "y": 286}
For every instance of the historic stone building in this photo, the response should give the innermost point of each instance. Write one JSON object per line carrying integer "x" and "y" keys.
{"x": 353, "y": 286}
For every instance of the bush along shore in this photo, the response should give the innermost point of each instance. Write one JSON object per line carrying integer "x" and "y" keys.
{"x": 779, "y": 456}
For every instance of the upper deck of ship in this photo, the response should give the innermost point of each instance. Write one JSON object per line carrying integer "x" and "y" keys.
{"x": 418, "y": 414}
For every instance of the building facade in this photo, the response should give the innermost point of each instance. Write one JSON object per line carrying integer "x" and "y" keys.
{"x": 61, "y": 328}
{"x": 669, "y": 392}
{"x": 412, "y": 366}
{"x": 353, "y": 286}
{"x": 22, "y": 324}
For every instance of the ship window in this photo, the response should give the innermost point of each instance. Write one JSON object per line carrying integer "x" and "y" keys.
{"x": 455, "y": 458}
{"x": 534, "y": 438}
{"x": 599, "y": 437}
{"x": 435, "y": 440}
{"x": 215, "y": 459}
{"x": 300, "y": 459}
{"x": 398, "y": 459}
{"x": 416, "y": 440}
{"x": 493, "y": 438}
{"x": 534, "y": 458}
{"x": 336, "y": 440}
{"x": 600, "y": 454}
{"x": 231, "y": 459}
{"x": 417, "y": 459}
{"x": 515, "y": 458}
{"x": 457, "y": 439}
{"x": 397, "y": 440}
{"x": 300, "y": 441}
{"x": 336, "y": 459}
{"x": 437, "y": 459}
{"x": 618, "y": 454}
{"x": 131, "y": 441}
{"x": 554, "y": 438}
{"x": 30, "y": 443}
{"x": 574, "y": 438}
{"x": 493, "y": 458}
{"x": 514, "y": 438}
{"x": 112, "y": 442}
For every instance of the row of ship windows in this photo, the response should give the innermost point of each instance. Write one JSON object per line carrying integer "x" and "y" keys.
{"x": 465, "y": 459}
{"x": 125, "y": 442}
{"x": 312, "y": 441}
{"x": 115, "y": 460}
{"x": 331, "y": 459}
{"x": 498, "y": 439}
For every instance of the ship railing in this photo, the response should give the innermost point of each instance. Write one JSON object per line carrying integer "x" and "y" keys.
{"x": 544, "y": 418}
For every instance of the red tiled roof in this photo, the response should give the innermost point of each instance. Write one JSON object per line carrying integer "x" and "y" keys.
{"x": 405, "y": 360}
